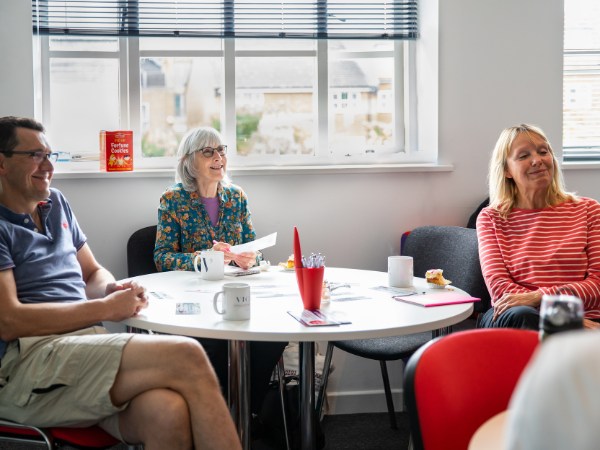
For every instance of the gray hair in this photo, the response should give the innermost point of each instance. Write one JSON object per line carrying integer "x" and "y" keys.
{"x": 193, "y": 141}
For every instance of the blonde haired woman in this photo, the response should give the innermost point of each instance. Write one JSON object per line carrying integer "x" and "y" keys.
{"x": 535, "y": 238}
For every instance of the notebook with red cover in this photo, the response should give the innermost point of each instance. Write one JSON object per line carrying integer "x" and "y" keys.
{"x": 445, "y": 297}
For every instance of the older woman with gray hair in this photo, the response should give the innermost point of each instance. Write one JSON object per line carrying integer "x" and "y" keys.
{"x": 204, "y": 210}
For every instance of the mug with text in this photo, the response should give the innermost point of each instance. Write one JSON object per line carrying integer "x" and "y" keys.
{"x": 210, "y": 265}
{"x": 236, "y": 301}
{"x": 400, "y": 271}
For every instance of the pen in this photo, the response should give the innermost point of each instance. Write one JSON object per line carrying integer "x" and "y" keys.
{"x": 216, "y": 242}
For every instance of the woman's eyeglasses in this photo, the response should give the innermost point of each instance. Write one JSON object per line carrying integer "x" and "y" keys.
{"x": 208, "y": 152}
{"x": 38, "y": 155}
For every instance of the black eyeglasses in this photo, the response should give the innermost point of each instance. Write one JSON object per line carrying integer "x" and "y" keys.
{"x": 38, "y": 155}
{"x": 208, "y": 152}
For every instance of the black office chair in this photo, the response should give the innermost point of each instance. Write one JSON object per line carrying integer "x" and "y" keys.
{"x": 472, "y": 223}
{"x": 453, "y": 249}
{"x": 140, "y": 252}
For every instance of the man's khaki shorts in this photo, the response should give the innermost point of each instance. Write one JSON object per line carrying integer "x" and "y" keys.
{"x": 62, "y": 380}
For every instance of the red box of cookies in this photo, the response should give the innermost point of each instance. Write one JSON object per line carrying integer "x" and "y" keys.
{"x": 116, "y": 151}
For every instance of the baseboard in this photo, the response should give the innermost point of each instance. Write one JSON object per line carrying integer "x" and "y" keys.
{"x": 354, "y": 402}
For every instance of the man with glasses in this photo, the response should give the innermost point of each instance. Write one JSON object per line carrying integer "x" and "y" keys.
{"x": 57, "y": 365}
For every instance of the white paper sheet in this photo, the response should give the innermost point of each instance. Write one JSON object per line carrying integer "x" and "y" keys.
{"x": 256, "y": 245}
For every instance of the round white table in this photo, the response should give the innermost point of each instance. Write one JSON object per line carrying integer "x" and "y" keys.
{"x": 372, "y": 312}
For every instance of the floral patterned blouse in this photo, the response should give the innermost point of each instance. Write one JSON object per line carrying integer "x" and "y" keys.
{"x": 184, "y": 226}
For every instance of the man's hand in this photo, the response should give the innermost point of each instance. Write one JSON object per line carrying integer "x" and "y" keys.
{"x": 126, "y": 299}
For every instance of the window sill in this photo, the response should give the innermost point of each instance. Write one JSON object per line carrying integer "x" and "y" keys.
{"x": 73, "y": 173}
{"x": 580, "y": 165}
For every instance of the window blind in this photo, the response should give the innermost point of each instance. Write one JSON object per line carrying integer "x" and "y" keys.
{"x": 321, "y": 19}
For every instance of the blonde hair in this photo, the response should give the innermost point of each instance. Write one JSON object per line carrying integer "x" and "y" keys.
{"x": 503, "y": 190}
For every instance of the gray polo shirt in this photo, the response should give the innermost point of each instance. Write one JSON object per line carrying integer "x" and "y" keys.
{"x": 44, "y": 264}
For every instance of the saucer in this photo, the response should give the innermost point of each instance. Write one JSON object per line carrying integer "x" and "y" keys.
{"x": 436, "y": 286}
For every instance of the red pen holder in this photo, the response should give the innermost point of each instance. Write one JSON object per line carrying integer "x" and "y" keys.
{"x": 310, "y": 284}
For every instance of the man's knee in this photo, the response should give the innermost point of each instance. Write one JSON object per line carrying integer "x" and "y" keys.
{"x": 173, "y": 413}
{"x": 190, "y": 360}
{"x": 159, "y": 415}
{"x": 178, "y": 354}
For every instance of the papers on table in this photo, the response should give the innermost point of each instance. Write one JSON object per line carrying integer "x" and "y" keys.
{"x": 234, "y": 271}
{"x": 395, "y": 290}
{"x": 445, "y": 297}
{"x": 255, "y": 245}
{"x": 187, "y": 308}
{"x": 317, "y": 318}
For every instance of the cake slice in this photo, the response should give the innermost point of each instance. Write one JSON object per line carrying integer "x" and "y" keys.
{"x": 435, "y": 276}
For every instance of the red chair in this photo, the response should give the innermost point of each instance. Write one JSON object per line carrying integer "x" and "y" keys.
{"x": 455, "y": 383}
{"x": 85, "y": 438}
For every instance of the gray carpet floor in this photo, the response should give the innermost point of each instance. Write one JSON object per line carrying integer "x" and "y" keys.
{"x": 365, "y": 432}
{"x": 342, "y": 432}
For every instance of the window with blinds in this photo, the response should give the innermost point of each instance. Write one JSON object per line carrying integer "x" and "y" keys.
{"x": 581, "y": 82}
{"x": 287, "y": 83}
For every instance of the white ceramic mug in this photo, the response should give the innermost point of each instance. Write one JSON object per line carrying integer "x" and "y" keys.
{"x": 236, "y": 301}
{"x": 400, "y": 271}
{"x": 210, "y": 265}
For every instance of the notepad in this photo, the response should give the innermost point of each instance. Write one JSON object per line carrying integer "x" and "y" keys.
{"x": 317, "y": 318}
{"x": 233, "y": 271}
{"x": 437, "y": 299}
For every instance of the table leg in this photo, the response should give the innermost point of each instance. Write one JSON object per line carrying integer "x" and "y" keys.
{"x": 308, "y": 440}
{"x": 239, "y": 389}
{"x": 442, "y": 332}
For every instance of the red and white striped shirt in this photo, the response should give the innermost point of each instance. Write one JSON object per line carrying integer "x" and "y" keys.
{"x": 554, "y": 249}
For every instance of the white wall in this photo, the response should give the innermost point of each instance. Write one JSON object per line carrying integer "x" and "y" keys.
{"x": 500, "y": 63}
{"x": 16, "y": 75}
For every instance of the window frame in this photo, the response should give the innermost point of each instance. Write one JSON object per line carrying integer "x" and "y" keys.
{"x": 578, "y": 153}
{"x": 129, "y": 56}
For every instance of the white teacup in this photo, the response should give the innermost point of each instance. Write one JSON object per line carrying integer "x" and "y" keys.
{"x": 236, "y": 301}
{"x": 400, "y": 271}
{"x": 210, "y": 265}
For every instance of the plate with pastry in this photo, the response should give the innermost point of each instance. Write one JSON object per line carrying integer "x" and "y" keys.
{"x": 288, "y": 266}
{"x": 435, "y": 279}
